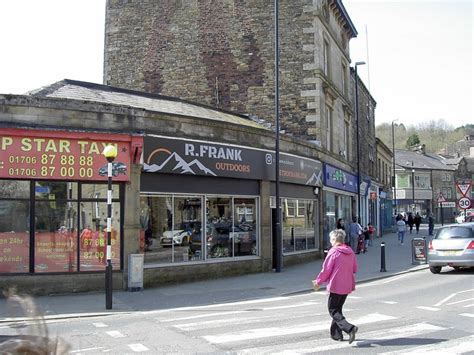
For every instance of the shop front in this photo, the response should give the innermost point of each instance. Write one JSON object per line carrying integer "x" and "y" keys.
{"x": 201, "y": 207}
{"x": 339, "y": 195}
{"x": 53, "y": 201}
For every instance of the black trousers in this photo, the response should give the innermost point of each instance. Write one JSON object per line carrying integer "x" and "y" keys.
{"x": 339, "y": 323}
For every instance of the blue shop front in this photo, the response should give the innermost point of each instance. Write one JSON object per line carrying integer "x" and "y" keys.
{"x": 339, "y": 197}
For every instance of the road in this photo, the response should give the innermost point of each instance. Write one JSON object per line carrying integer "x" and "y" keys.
{"x": 415, "y": 313}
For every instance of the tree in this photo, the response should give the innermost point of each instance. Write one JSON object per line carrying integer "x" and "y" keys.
{"x": 413, "y": 140}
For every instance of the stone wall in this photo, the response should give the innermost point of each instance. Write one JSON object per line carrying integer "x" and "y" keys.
{"x": 222, "y": 53}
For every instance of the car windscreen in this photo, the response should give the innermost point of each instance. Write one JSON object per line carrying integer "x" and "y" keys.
{"x": 454, "y": 232}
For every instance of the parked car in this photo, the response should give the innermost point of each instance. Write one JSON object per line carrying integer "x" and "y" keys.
{"x": 453, "y": 245}
{"x": 117, "y": 168}
{"x": 180, "y": 235}
{"x": 242, "y": 238}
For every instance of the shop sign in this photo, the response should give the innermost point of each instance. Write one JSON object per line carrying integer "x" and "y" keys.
{"x": 54, "y": 155}
{"x": 192, "y": 157}
{"x": 339, "y": 179}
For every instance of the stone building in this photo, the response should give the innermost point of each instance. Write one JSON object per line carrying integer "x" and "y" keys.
{"x": 384, "y": 179}
{"x": 369, "y": 185}
{"x": 222, "y": 54}
{"x": 193, "y": 193}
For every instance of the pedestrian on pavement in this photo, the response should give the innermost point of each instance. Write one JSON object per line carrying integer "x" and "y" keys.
{"x": 338, "y": 272}
{"x": 340, "y": 224}
{"x": 417, "y": 221}
{"x": 371, "y": 230}
{"x": 410, "y": 221}
{"x": 401, "y": 226}
{"x": 430, "y": 223}
{"x": 355, "y": 230}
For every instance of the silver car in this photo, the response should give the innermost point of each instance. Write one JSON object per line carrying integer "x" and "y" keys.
{"x": 452, "y": 246}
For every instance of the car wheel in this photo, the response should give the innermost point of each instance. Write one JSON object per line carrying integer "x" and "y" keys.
{"x": 435, "y": 269}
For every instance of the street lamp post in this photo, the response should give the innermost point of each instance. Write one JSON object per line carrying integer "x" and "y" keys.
{"x": 278, "y": 244}
{"x": 413, "y": 187}
{"x": 394, "y": 175}
{"x": 357, "y": 137}
{"x": 110, "y": 153}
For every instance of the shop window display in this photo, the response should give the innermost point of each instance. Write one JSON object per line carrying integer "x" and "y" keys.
{"x": 172, "y": 228}
{"x": 299, "y": 232}
{"x": 69, "y": 232}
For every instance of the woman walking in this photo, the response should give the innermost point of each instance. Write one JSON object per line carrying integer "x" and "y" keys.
{"x": 338, "y": 271}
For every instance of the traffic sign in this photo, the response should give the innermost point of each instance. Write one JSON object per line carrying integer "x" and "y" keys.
{"x": 464, "y": 188}
{"x": 464, "y": 202}
{"x": 441, "y": 197}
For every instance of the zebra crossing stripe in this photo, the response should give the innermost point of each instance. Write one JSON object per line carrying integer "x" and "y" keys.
{"x": 453, "y": 346}
{"x": 467, "y": 315}
{"x": 138, "y": 348}
{"x": 328, "y": 344}
{"x": 281, "y": 331}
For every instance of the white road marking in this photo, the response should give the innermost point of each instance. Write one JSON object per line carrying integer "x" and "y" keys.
{"x": 429, "y": 308}
{"x": 303, "y": 304}
{"x": 277, "y": 331}
{"x": 468, "y": 305}
{"x": 200, "y": 316}
{"x": 354, "y": 297}
{"x": 394, "y": 279}
{"x": 388, "y": 302}
{"x": 99, "y": 325}
{"x": 470, "y": 290}
{"x": 328, "y": 344}
{"x": 194, "y": 308}
{"x": 115, "y": 334}
{"x": 462, "y": 301}
{"x": 453, "y": 346}
{"x": 86, "y": 349}
{"x": 445, "y": 300}
{"x": 471, "y": 315}
{"x": 217, "y": 323}
{"x": 138, "y": 347}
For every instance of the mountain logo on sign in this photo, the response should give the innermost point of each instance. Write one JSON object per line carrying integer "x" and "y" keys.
{"x": 315, "y": 179}
{"x": 176, "y": 163}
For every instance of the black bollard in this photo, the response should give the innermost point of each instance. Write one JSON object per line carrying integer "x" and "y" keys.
{"x": 382, "y": 257}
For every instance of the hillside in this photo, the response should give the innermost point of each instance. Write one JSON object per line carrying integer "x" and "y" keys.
{"x": 434, "y": 134}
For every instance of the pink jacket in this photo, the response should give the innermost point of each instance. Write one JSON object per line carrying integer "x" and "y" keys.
{"x": 338, "y": 270}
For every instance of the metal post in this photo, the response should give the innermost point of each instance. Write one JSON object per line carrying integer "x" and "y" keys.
{"x": 357, "y": 138}
{"x": 382, "y": 257}
{"x": 279, "y": 246}
{"x": 110, "y": 152}
{"x": 413, "y": 186}
{"x": 393, "y": 172}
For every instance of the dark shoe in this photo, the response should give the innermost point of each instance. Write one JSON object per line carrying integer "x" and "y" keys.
{"x": 352, "y": 334}
{"x": 337, "y": 339}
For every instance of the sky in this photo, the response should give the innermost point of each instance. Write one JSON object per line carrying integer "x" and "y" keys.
{"x": 420, "y": 52}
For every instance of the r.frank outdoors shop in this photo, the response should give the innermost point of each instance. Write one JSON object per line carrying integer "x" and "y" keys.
{"x": 53, "y": 200}
{"x": 203, "y": 203}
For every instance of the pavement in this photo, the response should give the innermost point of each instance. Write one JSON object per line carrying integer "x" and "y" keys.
{"x": 289, "y": 281}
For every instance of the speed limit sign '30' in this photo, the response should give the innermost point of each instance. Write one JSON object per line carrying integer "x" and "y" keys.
{"x": 464, "y": 202}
